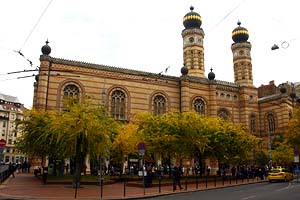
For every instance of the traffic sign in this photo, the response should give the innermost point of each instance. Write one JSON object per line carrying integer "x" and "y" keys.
{"x": 2, "y": 143}
{"x": 142, "y": 148}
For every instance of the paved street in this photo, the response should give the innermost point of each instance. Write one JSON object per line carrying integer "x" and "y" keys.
{"x": 27, "y": 186}
{"x": 261, "y": 191}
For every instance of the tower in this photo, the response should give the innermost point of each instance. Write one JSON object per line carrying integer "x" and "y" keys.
{"x": 193, "y": 51}
{"x": 241, "y": 50}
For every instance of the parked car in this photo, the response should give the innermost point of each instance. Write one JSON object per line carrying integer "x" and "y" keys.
{"x": 279, "y": 174}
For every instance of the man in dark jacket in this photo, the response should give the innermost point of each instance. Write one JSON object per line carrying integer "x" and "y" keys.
{"x": 176, "y": 178}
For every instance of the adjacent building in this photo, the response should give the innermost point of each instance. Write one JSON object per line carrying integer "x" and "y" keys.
{"x": 11, "y": 111}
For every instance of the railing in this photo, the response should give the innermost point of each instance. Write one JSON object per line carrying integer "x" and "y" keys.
{"x": 4, "y": 173}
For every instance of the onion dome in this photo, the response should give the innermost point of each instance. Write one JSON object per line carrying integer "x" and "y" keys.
{"x": 211, "y": 75}
{"x": 184, "y": 70}
{"x": 240, "y": 34}
{"x": 283, "y": 89}
{"x": 192, "y": 19}
{"x": 46, "y": 49}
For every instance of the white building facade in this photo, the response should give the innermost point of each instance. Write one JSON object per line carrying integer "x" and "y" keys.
{"x": 11, "y": 110}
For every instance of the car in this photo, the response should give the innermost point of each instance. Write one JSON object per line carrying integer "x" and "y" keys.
{"x": 279, "y": 174}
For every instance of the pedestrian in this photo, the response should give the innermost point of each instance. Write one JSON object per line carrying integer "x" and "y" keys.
{"x": 11, "y": 169}
{"x": 67, "y": 168}
{"x": 84, "y": 169}
{"x": 208, "y": 168}
{"x": 176, "y": 178}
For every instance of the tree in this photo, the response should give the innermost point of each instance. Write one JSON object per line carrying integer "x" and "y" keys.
{"x": 230, "y": 143}
{"x": 125, "y": 142}
{"x": 35, "y": 137}
{"x": 293, "y": 135}
{"x": 283, "y": 155}
{"x": 81, "y": 130}
{"x": 159, "y": 134}
{"x": 77, "y": 131}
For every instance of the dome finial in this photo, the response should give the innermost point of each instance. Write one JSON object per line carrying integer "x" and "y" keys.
{"x": 46, "y": 49}
{"x": 192, "y": 8}
{"x": 239, "y": 23}
{"x": 211, "y": 75}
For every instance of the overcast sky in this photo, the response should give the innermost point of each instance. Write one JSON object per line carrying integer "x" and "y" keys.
{"x": 145, "y": 35}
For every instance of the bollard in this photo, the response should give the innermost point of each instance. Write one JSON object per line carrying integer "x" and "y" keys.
{"x": 196, "y": 181}
{"x": 101, "y": 182}
{"x": 159, "y": 184}
{"x": 124, "y": 193}
{"x": 215, "y": 181}
{"x": 186, "y": 182}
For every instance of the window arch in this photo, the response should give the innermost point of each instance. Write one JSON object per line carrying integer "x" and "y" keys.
{"x": 271, "y": 123}
{"x": 252, "y": 123}
{"x": 118, "y": 104}
{"x": 159, "y": 105}
{"x": 223, "y": 113}
{"x": 199, "y": 106}
{"x": 71, "y": 91}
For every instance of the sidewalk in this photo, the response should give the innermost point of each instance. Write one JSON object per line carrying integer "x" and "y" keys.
{"x": 27, "y": 186}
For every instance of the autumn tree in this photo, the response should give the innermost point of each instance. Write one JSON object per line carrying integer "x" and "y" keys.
{"x": 125, "y": 142}
{"x": 83, "y": 129}
{"x": 231, "y": 143}
{"x": 283, "y": 154}
{"x": 75, "y": 132}
{"x": 293, "y": 136}
{"x": 35, "y": 138}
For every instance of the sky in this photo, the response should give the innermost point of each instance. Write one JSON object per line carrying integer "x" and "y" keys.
{"x": 145, "y": 35}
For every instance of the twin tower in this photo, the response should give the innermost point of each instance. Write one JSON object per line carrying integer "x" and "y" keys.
{"x": 193, "y": 51}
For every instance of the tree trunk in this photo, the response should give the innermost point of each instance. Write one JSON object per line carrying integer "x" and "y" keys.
{"x": 78, "y": 163}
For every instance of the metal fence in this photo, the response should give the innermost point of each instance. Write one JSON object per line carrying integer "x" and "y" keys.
{"x": 4, "y": 172}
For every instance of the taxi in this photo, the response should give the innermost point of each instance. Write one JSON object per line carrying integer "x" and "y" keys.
{"x": 279, "y": 174}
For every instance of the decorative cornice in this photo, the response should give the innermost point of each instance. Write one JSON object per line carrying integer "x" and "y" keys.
{"x": 107, "y": 68}
{"x": 269, "y": 98}
{"x": 227, "y": 86}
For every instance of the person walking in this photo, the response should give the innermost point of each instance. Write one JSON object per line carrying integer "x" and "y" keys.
{"x": 176, "y": 178}
{"x": 11, "y": 169}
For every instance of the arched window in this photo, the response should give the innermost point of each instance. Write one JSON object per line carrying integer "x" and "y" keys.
{"x": 118, "y": 104}
{"x": 199, "y": 106}
{"x": 223, "y": 113}
{"x": 71, "y": 91}
{"x": 252, "y": 123}
{"x": 271, "y": 123}
{"x": 159, "y": 105}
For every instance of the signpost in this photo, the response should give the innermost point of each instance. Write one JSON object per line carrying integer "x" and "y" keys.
{"x": 2, "y": 145}
{"x": 142, "y": 149}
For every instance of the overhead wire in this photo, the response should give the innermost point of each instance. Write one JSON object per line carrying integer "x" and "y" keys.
{"x": 227, "y": 15}
{"x": 39, "y": 19}
{"x": 28, "y": 36}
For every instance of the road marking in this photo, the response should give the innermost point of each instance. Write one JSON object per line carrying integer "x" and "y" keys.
{"x": 289, "y": 186}
{"x": 250, "y": 197}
